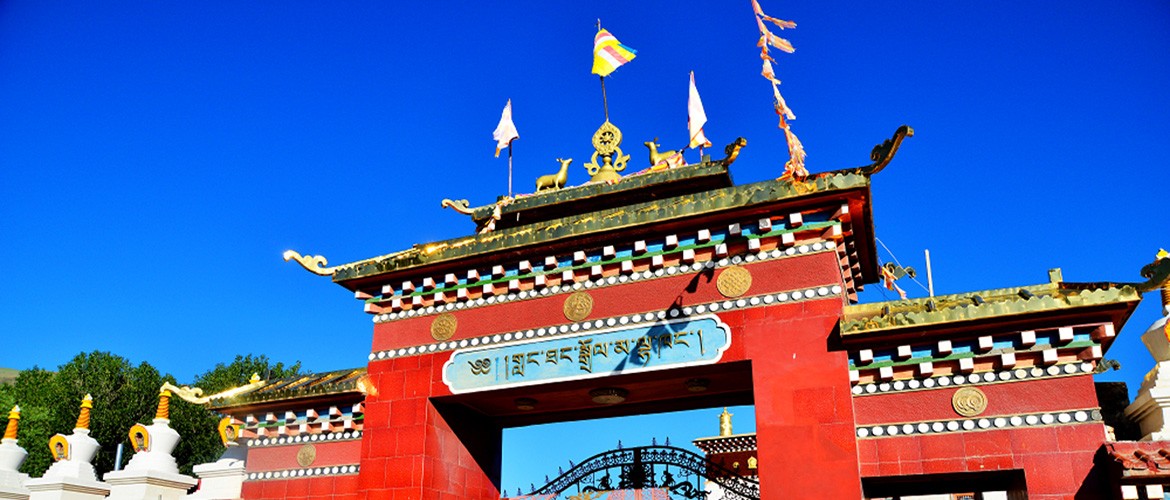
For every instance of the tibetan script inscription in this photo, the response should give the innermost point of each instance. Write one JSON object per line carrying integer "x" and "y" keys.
{"x": 667, "y": 344}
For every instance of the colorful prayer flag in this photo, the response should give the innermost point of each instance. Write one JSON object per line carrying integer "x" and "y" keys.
{"x": 696, "y": 118}
{"x": 609, "y": 53}
{"x": 505, "y": 132}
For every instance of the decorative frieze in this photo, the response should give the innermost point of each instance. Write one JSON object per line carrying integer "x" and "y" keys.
{"x": 306, "y": 438}
{"x": 595, "y": 280}
{"x": 981, "y": 424}
{"x": 1001, "y": 352}
{"x": 411, "y": 296}
{"x": 991, "y": 377}
{"x": 336, "y": 470}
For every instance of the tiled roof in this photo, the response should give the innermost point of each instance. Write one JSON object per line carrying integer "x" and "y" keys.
{"x": 299, "y": 387}
{"x": 679, "y": 207}
{"x": 727, "y": 444}
{"x": 980, "y": 305}
{"x": 1144, "y": 459}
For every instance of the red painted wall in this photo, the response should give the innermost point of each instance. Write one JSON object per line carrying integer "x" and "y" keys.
{"x": 318, "y": 488}
{"x": 1057, "y": 460}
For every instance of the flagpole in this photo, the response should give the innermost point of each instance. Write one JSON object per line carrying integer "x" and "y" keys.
{"x": 510, "y": 168}
{"x": 604, "y": 101}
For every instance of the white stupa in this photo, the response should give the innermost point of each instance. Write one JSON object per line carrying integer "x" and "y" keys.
{"x": 11, "y": 456}
{"x": 71, "y": 477}
{"x": 152, "y": 472}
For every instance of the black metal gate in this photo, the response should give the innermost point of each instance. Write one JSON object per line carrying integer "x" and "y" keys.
{"x": 651, "y": 467}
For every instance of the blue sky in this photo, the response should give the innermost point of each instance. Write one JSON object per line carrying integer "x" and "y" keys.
{"x": 157, "y": 158}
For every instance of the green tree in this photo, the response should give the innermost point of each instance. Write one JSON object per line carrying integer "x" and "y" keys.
{"x": 238, "y": 372}
{"x": 32, "y": 391}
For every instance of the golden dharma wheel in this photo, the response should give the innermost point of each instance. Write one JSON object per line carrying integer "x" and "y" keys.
{"x": 578, "y": 306}
{"x": 734, "y": 281}
{"x": 306, "y": 455}
{"x": 443, "y": 327}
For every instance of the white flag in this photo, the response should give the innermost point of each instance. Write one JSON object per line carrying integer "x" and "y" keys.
{"x": 696, "y": 118}
{"x": 505, "y": 132}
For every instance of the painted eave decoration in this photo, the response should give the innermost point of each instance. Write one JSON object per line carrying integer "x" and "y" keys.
{"x": 300, "y": 387}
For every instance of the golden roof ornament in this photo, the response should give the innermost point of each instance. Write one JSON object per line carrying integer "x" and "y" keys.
{"x": 13, "y": 423}
{"x": 553, "y": 182}
{"x": 607, "y": 143}
{"x": 83, "y": 417}
{"x": 725, "y": 423}
{"x": 315, "y": 264}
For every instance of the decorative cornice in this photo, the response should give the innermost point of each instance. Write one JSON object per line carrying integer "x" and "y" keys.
{"x": 983, "y": 378}
{"x": 694, "y": 265}
{"x": 335, "y": 470}
{"x": 989, "y": 423}
{"x": 309, "y": 438}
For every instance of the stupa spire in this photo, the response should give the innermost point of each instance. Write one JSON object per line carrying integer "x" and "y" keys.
{"x": 13, "y": 423}
{"x": 83, "y": 417}
{"x": 164, "y": 405}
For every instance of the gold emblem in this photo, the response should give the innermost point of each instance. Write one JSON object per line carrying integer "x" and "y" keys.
{"x": 969, "y": 401}
{"x": 59, "y": 447}
{"x": 443, "y": 327}
{"x": 578, "y": 306}
{"x": 139, "y": 438}
{"x": 306, "y": 455}
{"x": 228, "y": 432}
{"x": 734, "y": 281}
{"x": 607, "y": 143}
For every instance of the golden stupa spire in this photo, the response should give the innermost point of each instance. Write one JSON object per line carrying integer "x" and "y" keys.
{"x": 725, "y": 423}
{"x": 13, "y": 422}
{"x": 164, "y": 405}
{"x": 83, "y": 418}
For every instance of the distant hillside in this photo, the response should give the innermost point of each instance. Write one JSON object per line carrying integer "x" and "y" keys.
{"x": 8, "y": 375}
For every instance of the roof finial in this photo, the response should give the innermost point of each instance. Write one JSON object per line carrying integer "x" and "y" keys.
{"x": 164, "y": 405}
{"x": 725, "y": 423}
{"x": 13, "y": 422}
{"x": 255, "y": 378}
{"x": 83, "y": 417}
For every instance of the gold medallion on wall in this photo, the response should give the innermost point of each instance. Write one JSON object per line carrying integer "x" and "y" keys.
{"x": 578, "y": 306}
{"x": 306, "y": 455}
{"x": 443, "y": 327}
{"x": 969, "y": 401}
{"x": 734, "y": 281}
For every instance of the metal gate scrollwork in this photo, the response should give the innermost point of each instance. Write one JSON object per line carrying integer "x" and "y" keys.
{"x": 650, "y": 467}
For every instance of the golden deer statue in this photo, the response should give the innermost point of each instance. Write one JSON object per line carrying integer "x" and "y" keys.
{"x": 670, "y": 158}
{"x": 554, "y": 181}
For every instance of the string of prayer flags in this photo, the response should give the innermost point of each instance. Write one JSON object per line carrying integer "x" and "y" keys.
{"x": 794, "y": 168}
